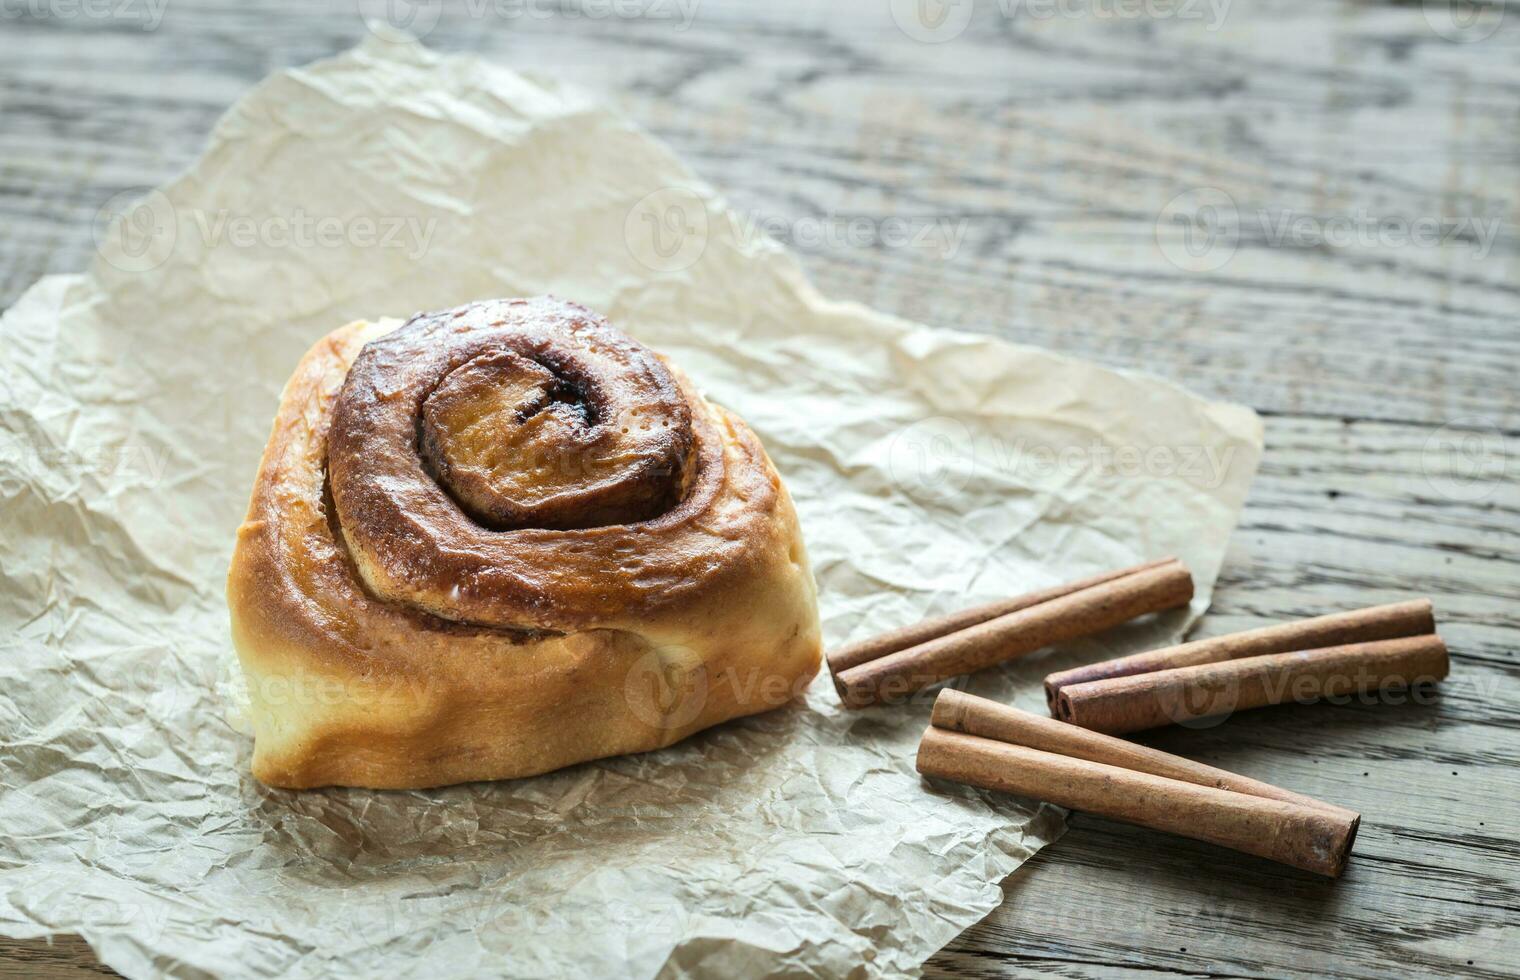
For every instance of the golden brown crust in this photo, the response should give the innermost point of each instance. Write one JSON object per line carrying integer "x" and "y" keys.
{"x": 366, "y": 665}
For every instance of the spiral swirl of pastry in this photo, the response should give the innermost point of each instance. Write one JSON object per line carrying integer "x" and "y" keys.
{"x": 507, "y": 506}
{"x": 522, "y": 464}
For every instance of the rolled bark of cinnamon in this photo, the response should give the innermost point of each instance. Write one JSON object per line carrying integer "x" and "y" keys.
{"x": 871, "y": 648}
{"x": 1387, "y": 622}
{"x": 1167, "y": 697}
{"x": 961, "y": 712}
{"x": 1066, "y": 617}
{"x": 1311, "y": 838}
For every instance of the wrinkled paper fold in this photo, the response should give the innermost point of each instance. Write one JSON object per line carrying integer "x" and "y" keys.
{"x": 931, "y": 470}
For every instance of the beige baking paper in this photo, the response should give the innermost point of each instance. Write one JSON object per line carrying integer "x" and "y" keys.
{"x": 931, "y": 469}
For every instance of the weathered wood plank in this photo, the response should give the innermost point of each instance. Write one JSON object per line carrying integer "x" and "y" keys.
{"x": 1050, "y": 146}
{"x": 65, "y": 958}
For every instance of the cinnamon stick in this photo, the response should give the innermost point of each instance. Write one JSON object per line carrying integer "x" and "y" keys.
{"x": 1166, "y": 697}
{"x": 961, "y": 712}
{"x": 1311, "y": 838}
{"x": 1387, "y": 622}
{"x": 871, "y": 648}
{"x": 1090, "y": 610}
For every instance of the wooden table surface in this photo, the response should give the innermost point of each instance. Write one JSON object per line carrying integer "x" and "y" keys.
{"x": 1303, "y": 205}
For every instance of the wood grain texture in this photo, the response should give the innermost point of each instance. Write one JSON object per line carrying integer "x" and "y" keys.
{"x": 1041, "y": 163}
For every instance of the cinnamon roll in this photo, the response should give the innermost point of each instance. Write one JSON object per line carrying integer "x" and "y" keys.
{"x": 502, "y": 539}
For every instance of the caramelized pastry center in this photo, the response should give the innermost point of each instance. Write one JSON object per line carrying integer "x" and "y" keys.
{"x": 517, "y": 445}
{"x": 469, "y": 441}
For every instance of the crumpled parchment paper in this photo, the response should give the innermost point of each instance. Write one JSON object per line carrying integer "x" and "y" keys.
{"x": 931, "y": 470}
